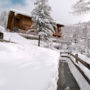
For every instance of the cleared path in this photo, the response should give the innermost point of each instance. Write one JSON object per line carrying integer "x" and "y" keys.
{"x": 66, "y": 80}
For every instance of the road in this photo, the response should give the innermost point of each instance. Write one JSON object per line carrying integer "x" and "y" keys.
{"x": 66, "y": 80}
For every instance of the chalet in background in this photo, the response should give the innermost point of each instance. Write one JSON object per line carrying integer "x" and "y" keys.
{"x": 58, "y": 31}
{"x": 18, "y": 22}
{"x": 23, "y": 23}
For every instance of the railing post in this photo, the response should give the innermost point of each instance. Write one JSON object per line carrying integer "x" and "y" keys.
{"x": 60, "y": 53}
{"x": 68, "y": 53}
{"x": 76, "y": 57}
{"x": 39, "y": 40}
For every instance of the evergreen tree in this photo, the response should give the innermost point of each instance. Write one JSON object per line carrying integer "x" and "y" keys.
{"x": 43, "y": 22}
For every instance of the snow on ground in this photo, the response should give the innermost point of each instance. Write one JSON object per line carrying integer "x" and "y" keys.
{"x": 24, "y": 66}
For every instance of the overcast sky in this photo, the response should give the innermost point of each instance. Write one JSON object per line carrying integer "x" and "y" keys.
{"x": 61, "y": 9}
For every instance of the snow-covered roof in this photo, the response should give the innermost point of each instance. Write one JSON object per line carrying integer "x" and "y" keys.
{"x": 20, "y": 12}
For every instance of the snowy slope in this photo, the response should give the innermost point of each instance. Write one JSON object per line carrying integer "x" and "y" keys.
{"x": 24, "y": 66}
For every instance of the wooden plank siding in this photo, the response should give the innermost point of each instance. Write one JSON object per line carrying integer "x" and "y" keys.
{"x": 20, "y": 23}
{"x": 58, "y": 31}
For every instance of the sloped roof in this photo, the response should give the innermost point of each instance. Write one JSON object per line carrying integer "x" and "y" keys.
{"x": 60, "y": 25}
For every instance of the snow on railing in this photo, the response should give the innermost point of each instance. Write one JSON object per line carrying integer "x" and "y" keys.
{"x": 80, "y": 60}
{"x": 81, "y": 65}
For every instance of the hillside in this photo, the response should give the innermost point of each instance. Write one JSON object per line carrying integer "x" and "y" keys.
{"x": 24, "y": 66}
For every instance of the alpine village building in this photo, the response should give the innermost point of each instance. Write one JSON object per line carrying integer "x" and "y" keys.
{"x": 22, "y": 23}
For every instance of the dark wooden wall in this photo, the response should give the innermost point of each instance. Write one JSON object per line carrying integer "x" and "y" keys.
{"x": 22, "y": 22}
{"x": 19, "y": 21}
{"x": 10, "y": 24}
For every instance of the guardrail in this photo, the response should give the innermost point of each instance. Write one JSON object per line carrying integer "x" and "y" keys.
{"x": 77, "y": 60}
{"x": 80, "y": 60}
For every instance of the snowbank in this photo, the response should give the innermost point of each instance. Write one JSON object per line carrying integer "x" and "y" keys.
{"x": 24, "y": 66}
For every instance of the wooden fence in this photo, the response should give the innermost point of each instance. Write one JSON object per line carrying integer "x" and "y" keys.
{"x": 77, "y": 59}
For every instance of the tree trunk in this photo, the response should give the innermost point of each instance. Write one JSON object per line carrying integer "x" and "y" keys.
{"x": 39, "y": 41}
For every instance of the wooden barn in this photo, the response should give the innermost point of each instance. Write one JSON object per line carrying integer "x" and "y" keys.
{"x": 22, "y": 23}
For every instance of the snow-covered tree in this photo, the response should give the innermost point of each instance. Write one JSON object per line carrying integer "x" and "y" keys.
{"x": 82, "y": 6}
{"x": 3, "y": 19}
{"x": 43, "y": 22}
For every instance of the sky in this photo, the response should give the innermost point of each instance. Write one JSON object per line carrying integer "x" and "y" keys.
{"x": 61, "y": 9}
